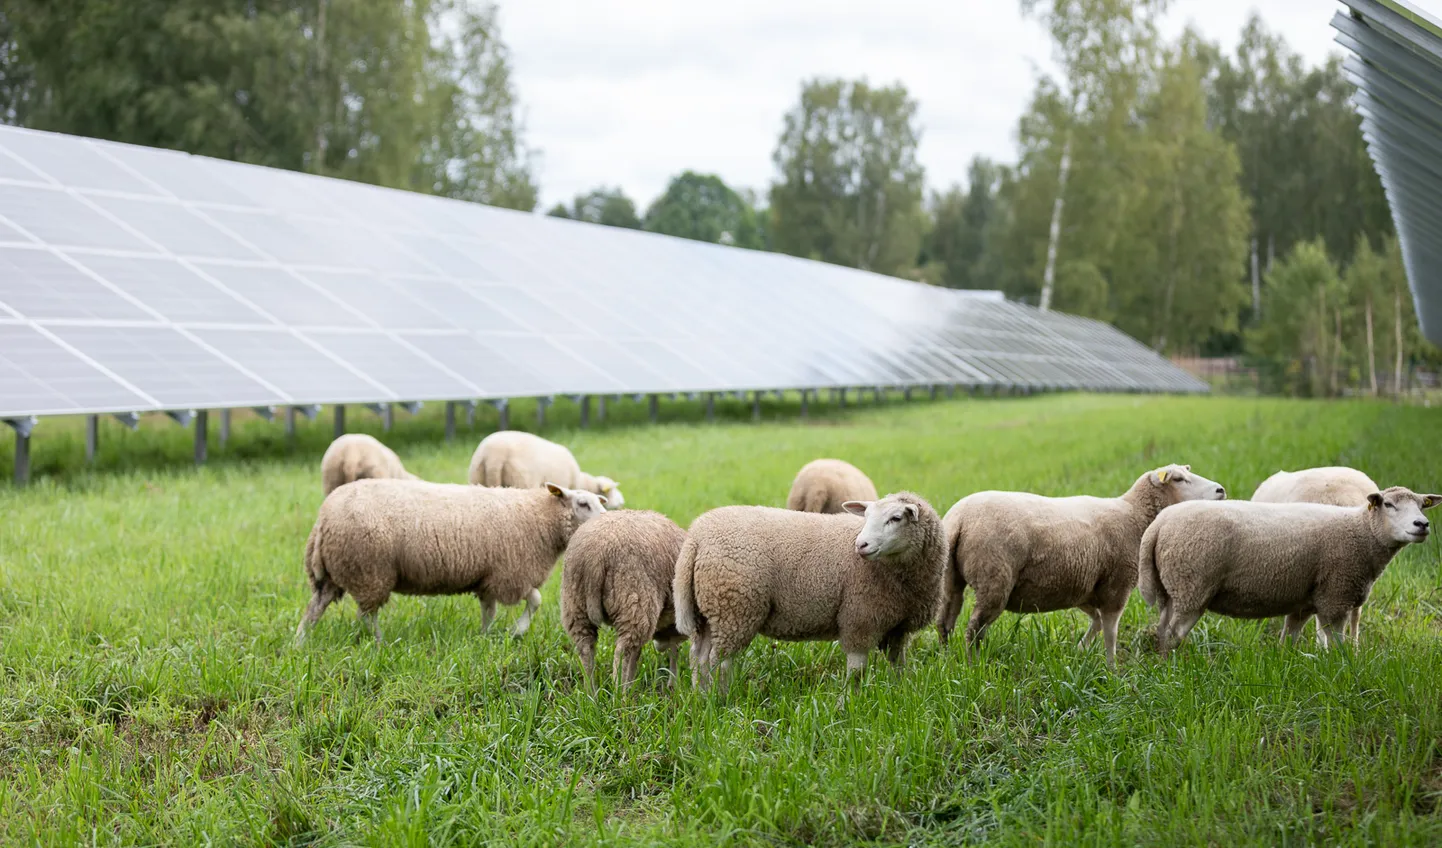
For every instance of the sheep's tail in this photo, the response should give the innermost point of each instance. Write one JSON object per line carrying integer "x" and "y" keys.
{"x": 1149, "y": 580}
{"x": 593, "y": 590}
{"x": 815, "y": 500}
{"x": 491, "y": 471}
{"x": 314, "y": 564}
{"x": 683, "y": 587}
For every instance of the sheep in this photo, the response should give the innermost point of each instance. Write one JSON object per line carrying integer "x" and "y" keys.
{"x": 823, "y": 485}
{"x": 1336, "y": 485}
{"x": 867, "y": 582}
{"x": 523, "y": 461}
{"x": 618, "y": 571}
{"x": 356, "y": 456}
{"x": 375, "y": 537}
{"x": 1026, "y": 553}
{"x": 1258, "y": 560}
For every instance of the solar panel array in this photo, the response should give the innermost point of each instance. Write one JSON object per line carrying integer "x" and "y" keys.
{"x": 1397, "y": 68}
{"x": 134, "y": 279}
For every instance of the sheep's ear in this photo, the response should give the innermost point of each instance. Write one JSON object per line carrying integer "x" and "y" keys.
{"x": 1162, "y": 476}
{"x": 1374, "y": 500}
{"x": 1188, "y": 467}
{"x": 913, "y": 513}
{"x": 855, "y": 507}
{"x": 602, "y": 499}
{"x": 1429, "y": 501}
{"x": 555, "y": 490}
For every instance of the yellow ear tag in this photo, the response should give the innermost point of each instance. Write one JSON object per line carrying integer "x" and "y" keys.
{"x": 1162, "y": 478}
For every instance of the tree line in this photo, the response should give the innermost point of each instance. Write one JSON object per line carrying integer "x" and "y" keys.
{"x": 1206, "y": 202}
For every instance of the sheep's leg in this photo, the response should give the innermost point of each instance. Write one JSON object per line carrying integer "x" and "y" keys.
{"x": 955, "y": 595}
{"x": 488, "y": 612}
{"x": 369, "y": 619}
{"x": 855, "y": 665}
{"x": 1332, "y": 629}
{"x": 1354, "y": 625}
{"x": 533, "y": 602}
{"x": 585, "y": 641}
{"x": 324, "y": 595}
{"x": 1292, "y": 626}
{"x": 1109, "y": 621}
{"x": 670, "y": 645}
{"x": 1096, "y": 626}
{"x": 1164, "y": 621}
{"x": 628, "y": 654}
{"x": 896, "y": 652}
{"x": 1177, "y": 630}
{"x": 701, "y": 658}
{"x": 981, "y": 619}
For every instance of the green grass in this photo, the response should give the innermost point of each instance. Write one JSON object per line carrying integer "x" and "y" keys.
{"x": 150, "y": 693}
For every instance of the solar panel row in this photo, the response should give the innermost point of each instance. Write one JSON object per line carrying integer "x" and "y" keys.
{"x": 134, "y": 279}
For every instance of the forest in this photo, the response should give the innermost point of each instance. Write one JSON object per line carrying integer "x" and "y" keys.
{"x": 1209, "y": 202}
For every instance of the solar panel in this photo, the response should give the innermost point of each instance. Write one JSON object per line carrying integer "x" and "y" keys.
{"x": 134, "y": 279}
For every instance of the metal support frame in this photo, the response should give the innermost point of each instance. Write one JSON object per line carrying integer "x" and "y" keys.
{"x": 710, "y": 406}
{"x": 224, "y": 427}
{"x": 131, "y": 420}
{"x": 931, "y": 392}
{"x": 23, "y": 427}
{"x": 653, "y": 408}
{"x": 266, "y": 412}
{"x": 450, "y": 421}
{"x": 600, "y": 408}
{"x": 202, "y": 418}
{"x": 92, "y": 438}
{"x": 503, "y": 411}
{"x": 290, "y": 422}
{"x": 541, "y": 404}
{"x": 906, "y": 394}
{"x": 181, "y": 416}
{"x": 337, "y": 413}
{"x": 841, "y": 398}
{"x": 755, "y": 406}
{"x": 804, "y": 393}
{"x": 585, "y": 403}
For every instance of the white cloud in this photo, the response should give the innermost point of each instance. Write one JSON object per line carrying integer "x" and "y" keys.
{"x": 630, "y": 92}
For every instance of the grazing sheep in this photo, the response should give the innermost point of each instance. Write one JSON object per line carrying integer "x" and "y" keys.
{"x": 1257, "y": 560}
{"x": 1027, "y": 553}
{"x": 823, "y": 485}
{"x": 356, "y": 456}
{"x": 1335, "y": 485}
{"x": 618, "y": 571}
{"x": 525, "y": 461}
{"x": 375, "y": 537}
{"x": 867, "y": 582}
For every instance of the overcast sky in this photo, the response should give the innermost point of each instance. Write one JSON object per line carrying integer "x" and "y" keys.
{"x": 631, "y": 92}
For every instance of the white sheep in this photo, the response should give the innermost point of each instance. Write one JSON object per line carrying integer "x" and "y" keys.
{"x": 1258, "y": 560}
{"x": 867, "y": 581}
{"x": 1336, "y": 485}
{"x": 373, "y": 538}
{"x": 356, "y": 456}
{"x": 1027, "y": 553}
{"x": 823, "y": 485}
{"x": 618, "y": 571}
{"x": 523, "y": 461}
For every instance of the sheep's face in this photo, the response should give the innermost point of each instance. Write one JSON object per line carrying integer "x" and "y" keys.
{"x": 1181, "y": 484}
{"x": 611, "y": 491}
{"x": 584, "y": 505}
{"x": 888, "y": 529}
{"x": 1397, "y": 515}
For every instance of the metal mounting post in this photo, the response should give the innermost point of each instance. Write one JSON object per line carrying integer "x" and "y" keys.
{"x": 503, "y": 410}
{"x": 841, "y": 398}
{"x": 202, "y": 418}
{"x": 450, "y": 421}
{"x": 755, "y": 406}
{"x": 653, "y": 408}
{"x": 23, "y": 427}
{"x": 600, "y": 408}
{"x": 92, "y": 438}
{"x": 337, "y": 413}
{"x": 131, "y": 420}
{"x": 585, "y": 402}
{"x": 804, "y": 411}
{"x": 224, "y": 427}
{"x": 181, "y": 416}
{"x": 541, "y": 404}
{"x": 710, "y": 406}
{"x": 266, "y": 412}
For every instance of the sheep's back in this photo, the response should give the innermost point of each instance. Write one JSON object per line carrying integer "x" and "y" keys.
{"x": 1338, "y": 486}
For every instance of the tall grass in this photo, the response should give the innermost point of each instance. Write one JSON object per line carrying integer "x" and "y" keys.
{"x": 150, "y": 693}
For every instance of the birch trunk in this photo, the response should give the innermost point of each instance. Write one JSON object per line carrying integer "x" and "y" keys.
{"x": 1048, "y": 277}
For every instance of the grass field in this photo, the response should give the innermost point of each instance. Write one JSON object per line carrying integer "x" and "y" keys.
{"x": 150, "y": 693}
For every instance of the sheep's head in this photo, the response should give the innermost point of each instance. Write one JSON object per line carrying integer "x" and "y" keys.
{"x": 890, "y": 528}
{"x": 1397, "y": 515}
{"x": 584, "y": 505}
{"x": 1178, "y": 483}
{"x": 611, "y": 491}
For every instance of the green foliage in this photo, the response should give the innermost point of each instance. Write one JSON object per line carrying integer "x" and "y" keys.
{"x": 851, "y": 187}
{"x": 702, "y": 207}
{"x": 149, "y": 692}
{"x": 1299, "y": 297}
{"x": 410, "y": 95}
{"x": 609, "y": 206}
{"x": 962, "y": 224}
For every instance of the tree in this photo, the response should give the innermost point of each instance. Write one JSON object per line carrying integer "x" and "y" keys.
{"x": 608, "y": 206}
{"x": 377, "y": 92}
{"x": 851, "y": 187}
{"x": 961, "y": 226}
{"x": 702, "y": 207}
{"x": 1296, "y": 330}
